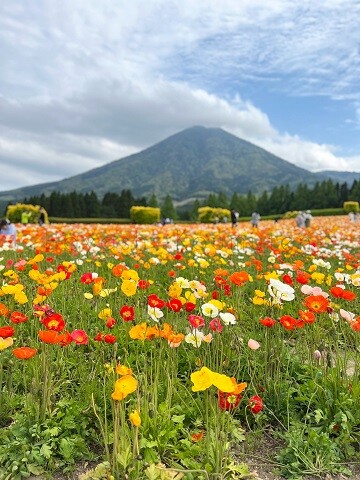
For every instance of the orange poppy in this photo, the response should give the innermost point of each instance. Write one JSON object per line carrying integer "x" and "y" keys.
{"x": 307, "y": 316}
{"x": 24, "y": 353}
{"x": 18, "y": 317}
{"x": 50, "y": 336}
{"x": 196, "y": 437}
{"x": 4, "y": 311}
{"x": 239, "y": 278}
{"x": 317, "y": 303}
{"x": 6, "y": 331}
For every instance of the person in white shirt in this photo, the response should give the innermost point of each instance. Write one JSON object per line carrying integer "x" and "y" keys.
{"x": 8, "y": 229}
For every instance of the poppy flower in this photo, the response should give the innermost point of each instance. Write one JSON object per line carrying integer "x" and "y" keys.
{"x": 24, "y": 353}
{"x": 109, "y": 338}
{"x": 303, "y": 277}
{"x": 174, "y": 304}
{"x": 110, "y": 322}
{"x": 80, "y": 337}
{"x": 267, "y": 322}
{"x": 189, "y": 306}
{"x": 127, "y": 313}
{"x": 155, "y": 301}
{"x": 123, "y": 387}
{"x": 135, "y": 418}
{"x": 239, "y": 278}
{"x": 143, "y": 284}
{"x": 228, "y": 401}
{"x": 255, "y": 404}
{"x": 196, "y": 321}
{"x": 216, "y": 325}
{"x": 196, "y": 437}
{"x": 307, "y": 316}
{"x": 5, "y": 343}
{"x": 50, "y": 336}
{"x": 6, "y": 331}
{"x": 317, "y": 303}
{"x": 18, "y": 317}
{"x": 54, "y": 322}
{"x": 87, "y": 278}
{"x": 288, "y": 322}
{"x": 4, "y": 311}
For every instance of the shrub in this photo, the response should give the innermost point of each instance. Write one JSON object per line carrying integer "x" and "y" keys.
{"x": 145, "y": 215}
{"x": 15, "y": 212}
{"x": 213, "y": 215}
{"x": 351, "y": 207}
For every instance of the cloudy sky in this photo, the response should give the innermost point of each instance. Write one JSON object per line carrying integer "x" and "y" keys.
{"x": 85, "y": 82}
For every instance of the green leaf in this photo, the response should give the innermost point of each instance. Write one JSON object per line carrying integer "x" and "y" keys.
{"x": 45, "y": 451}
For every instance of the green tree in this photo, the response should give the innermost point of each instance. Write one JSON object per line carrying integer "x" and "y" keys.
{"x": 153, "y": 201}
{"x": 167, "y": 208}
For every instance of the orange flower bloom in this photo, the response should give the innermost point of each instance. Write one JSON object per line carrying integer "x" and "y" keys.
{"x": 138, "y": 332}
{"x": 118, "y": 270}
{"x": 18, "y": 317}
{"x": 6, "y": 331}
{"x": 24, "y": 353}
{"x": 123, "y": 387}
{"x": 54, "y": 322}
{"x": 196, "y": 437}
{"x": 4, "y": 311}
{"x": 239, "y": 278}
{"x": 50, "y": 336}
{"x": 317, "y": 303}
{"x": 306, "y": 316}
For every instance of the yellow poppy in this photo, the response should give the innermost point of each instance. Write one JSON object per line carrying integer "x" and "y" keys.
{"x": 135, "y": 418}
{"x": 202, "y": 379}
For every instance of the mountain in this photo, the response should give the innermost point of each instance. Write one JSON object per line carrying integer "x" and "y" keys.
{"x": 341, "y": 177}
{"x": 190, "y": 164}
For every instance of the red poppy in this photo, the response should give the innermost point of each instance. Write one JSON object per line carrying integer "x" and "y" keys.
{"x": 196, "y": 321}
{"x": 287, "y": 279}
{"x": 66, "y": 339}
{"x": 288, "y": 322}
{"x": 228, "y": 401}
{"x": 24, "y": 353}
{"x": 189, "y": 306}
{"x": 303, "y": 277}
{"x": 174, "y": 304}
{"x": 110, "y": 322}
{"x": 267, "y": 322}
{"x": 109, "y": 338}
{"x": 6, "y": 331}
{"x": 143, "y": 284}
{"x": 54, "y": 322}
{"x": 86, "y": 278}
{"x": 339, "y": 292}
{"x": 155, "y": 301}
{"x": 18, "y": 317}
{"x": 127, "y": 313}
{"x": 80, "y": 337}
{"x": 227, "y": 290}
{"x": 317, "y": 303}
{"x": 99, "y": 337}
{"x": 255, "y": 404}
{"x": 216, "y": 325}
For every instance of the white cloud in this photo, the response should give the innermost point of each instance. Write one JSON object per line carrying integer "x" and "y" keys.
{"x": 82, "y": 85}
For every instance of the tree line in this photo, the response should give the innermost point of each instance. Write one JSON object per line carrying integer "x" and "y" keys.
{"x": 322, "y": 195}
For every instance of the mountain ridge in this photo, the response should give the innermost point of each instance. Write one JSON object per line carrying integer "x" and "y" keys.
{"x": 191, "y": 163}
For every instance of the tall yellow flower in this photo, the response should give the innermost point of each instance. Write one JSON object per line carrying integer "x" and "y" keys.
{"x": 123, "y": 387}
{"x": 135, "y": 418}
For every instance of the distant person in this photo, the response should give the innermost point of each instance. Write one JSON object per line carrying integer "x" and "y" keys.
{"x": 25, "y": 216}
{"x": 307, "y": 218}
{"x": 234, "y": 216}
{"x": 42, "y": 217}
{"x": 352, "y": 216}
{"x": 300, "y": 220}
{"x": 9, "y": 230}
{"x": 255, "y": 219}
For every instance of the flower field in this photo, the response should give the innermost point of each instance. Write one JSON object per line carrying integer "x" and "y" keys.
{"x": 161, "y": 352}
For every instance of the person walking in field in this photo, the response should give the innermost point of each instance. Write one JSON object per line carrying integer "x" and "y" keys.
{"x": 255, "y": 219}
{"x": 234, "y": 215}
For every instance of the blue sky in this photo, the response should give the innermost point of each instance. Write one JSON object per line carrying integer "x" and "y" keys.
{"x": 85, "y": 82}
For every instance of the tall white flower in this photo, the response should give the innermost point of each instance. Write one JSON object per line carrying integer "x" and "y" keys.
{"x": 155, "y": 313}
{"x": 209, "y": 310}
{"x": 228, "y": 318}
{"x": 195, "y": 337}
{"x": 281, "y": 291}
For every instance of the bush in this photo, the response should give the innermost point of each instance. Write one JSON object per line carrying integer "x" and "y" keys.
{"x": 14, "y": 213}
{"x": 145, "y": 215}
{"x": 351, "y": 207}
{"x": 213, "y": 215}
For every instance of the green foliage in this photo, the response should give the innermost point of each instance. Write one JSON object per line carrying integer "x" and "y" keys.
{"x": 213, "y": 215}
{"x": 28, "y": 447}
{"x": 15, "y": 212}
{"x": 351, "y": 207}
{"x": 144, "y": 215}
